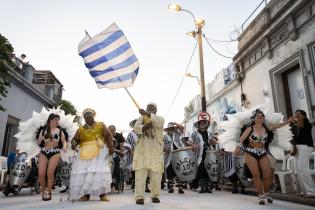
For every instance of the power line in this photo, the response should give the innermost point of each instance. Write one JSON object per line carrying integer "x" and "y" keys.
{"x": 215, "y": 49}
{"x": 216, "y": 40}
{"x": 180, "y": 85}
{"x": 227, "y": 47}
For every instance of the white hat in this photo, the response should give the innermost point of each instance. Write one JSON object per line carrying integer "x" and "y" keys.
{"x": 170, "y": 125}
{"x": 153, "y": 104}
{"x": 132, "y": 123}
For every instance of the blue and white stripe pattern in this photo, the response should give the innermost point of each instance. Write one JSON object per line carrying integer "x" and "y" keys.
{"x": 131, "y": 142}
{"x": 109, "y": 58}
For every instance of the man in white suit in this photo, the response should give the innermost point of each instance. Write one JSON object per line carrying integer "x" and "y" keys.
{"x": 148, "y": 156}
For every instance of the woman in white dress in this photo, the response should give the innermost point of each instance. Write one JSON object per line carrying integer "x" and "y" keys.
{"x": 91, "y": 173}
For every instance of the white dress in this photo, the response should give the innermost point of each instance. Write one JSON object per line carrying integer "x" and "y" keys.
{"x": 91, "y": 176}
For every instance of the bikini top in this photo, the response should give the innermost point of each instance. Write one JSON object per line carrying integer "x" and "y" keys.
{"x": 259, "y": 138}
{"x": 55, "y": 136}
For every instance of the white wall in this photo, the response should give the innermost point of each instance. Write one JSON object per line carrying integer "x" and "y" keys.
{"x": 20, "y": 105}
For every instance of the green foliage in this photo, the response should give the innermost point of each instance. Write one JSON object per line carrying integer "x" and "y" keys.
{"x": 6, "y": 52}
{"x": 67, "y": 106}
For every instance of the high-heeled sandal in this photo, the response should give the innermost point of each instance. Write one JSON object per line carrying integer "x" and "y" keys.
{"x": 261, "y": 199}
{"x": 46, "y": 196}
{"x": 268, "y": 198}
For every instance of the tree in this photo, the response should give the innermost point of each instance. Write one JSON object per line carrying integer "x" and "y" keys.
{"x": 67, "y": 106}
{"x": 6, "y": 53}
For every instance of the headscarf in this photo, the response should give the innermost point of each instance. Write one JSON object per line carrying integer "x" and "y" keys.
{"x": 89, "y": 110}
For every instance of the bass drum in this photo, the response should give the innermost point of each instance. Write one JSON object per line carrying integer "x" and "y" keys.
{"x": 20, "y": 170}
{"x": 240, "y": 170}
{"x": 184, "y": 163}
{"x": 211, "y": 164}
{"x": 66, "y": 169}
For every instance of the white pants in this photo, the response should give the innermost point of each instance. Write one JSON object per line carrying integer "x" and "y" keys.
{"x": 155, "y": 183}
{"x": 303, "y": 171}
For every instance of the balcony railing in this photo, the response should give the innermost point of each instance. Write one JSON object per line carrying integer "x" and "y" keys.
{"x": 258, "y": 9}
{"x": 43, "y": 81}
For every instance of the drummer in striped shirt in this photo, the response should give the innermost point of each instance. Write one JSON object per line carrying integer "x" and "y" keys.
{"x": 172, "y": 141}
{"x": 130, "y": 145}
{"x": 200, "y": 140}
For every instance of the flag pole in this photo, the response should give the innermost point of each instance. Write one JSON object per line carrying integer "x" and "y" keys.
{"x": 132, "y": 98}
{"x": 87, "y": 33}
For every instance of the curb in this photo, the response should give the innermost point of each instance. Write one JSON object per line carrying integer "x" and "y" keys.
{"x": 290, "y": 197}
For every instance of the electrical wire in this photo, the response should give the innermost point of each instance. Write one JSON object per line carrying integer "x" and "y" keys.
{"x": 180, "y": 85}
{"x": 227, "y": 47}
{"x": 216, "y": 40}
{"x": 215, "y": 49}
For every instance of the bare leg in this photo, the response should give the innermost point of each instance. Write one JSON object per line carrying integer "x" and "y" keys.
{"x": 253, "y": 166}
{"x": 42, "y": 169}
{"x": 266, "y": 171}
{"x": 267, "y": 174}
{"x": 52, "y": 164}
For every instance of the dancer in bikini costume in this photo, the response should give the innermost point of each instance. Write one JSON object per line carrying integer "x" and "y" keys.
{"x": 46, "y": 135}
{"x": 262, "y": 133}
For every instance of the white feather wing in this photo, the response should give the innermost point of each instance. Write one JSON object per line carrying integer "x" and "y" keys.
{"x": 26, "y": 136}
{"x": 229, "y": 138}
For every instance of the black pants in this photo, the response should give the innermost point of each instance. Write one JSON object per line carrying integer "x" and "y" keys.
{"x": 172, "y": 178}
{"x": 235, "y": 180}
{"x": 202, "y": 176}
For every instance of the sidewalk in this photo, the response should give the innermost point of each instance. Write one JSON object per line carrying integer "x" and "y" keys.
{"x": 290, "y": 196}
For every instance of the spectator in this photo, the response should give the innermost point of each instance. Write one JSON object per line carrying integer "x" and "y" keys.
{"x": 24, "y": 60}
{"x": 303, "y": 144}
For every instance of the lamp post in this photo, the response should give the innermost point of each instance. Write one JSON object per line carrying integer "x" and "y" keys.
{"x": 192, "y": 76}
{"x": 199, "y": 23}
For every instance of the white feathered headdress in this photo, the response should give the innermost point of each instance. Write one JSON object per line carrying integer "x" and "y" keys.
{"x": 26, "y": 136}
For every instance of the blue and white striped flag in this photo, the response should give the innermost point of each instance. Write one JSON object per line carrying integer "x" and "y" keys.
{"x": 109, "y": 58}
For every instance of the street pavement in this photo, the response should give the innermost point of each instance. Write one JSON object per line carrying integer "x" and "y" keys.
{"x": 218, "y": 200}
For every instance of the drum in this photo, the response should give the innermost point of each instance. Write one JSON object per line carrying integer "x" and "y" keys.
{"x": 20, "y": 170}
{"x": 211, "y": 164}
{"x": 123, "y": 163}
{"x": 66, "y": 169}
{"x": 239, "y": 169}
{"x": 184, "y": 163}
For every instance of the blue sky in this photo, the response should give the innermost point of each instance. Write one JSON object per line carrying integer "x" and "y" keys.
{"x": 49, "y": 32}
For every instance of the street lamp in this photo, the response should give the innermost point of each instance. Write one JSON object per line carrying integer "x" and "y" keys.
{"x": 199, "y": 23}
{"x": 192, "y": 76}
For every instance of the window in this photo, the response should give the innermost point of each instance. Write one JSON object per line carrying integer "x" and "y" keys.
{"x": 9, "y": 143}
{"x": 311, "y": 49}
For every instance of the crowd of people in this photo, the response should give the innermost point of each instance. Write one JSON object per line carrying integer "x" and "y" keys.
{"x": 105, "y": 159}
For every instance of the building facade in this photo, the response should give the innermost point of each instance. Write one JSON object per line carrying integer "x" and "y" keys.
{"x": 27, "y": 93}
{"x": 275, "y": 61}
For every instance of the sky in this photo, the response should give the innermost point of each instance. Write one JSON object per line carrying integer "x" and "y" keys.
{"x": 49, "y": 32}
